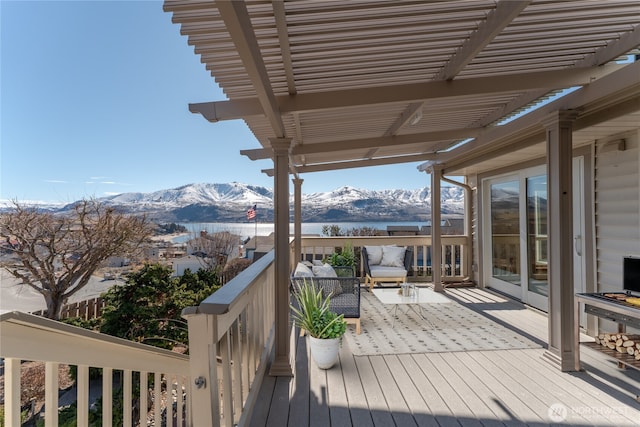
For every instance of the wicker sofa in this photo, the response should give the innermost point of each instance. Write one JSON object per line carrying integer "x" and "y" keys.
{"x": 342, "y": 287}
{"x": 386, "y": 264}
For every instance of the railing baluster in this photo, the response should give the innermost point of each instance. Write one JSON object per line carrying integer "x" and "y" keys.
{"x": 144, "y": 401}
{"x": 12, "y": 391}
{"x": 169, "y": 379}
{"x": 126, "y": 398}
{"x": 157, "y": 399}
{"x": 179, "y": 400}
{"x": 51, "y": 394}
{"x": 227, "y": 388}
{"x": 236, "y": 358}
{"x": 82, "y": 385}
{"x": 107, "y": 397}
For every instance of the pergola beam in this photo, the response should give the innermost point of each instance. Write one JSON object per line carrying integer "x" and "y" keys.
{"x": 355, "y": 144}
{"x": 416, "y": 92}
{"x": 323, "y": 167}
{"x": 620, "y": 82}
{"x": 497, "y": 20}
{"x": 238, "y": 23}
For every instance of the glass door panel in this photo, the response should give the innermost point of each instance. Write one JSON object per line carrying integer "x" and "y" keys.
{"x": 537, "y": 234}
{"x": 505, "y": 232}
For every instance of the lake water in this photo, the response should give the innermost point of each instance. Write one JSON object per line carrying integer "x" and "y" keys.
{"x": 250, "y": 229}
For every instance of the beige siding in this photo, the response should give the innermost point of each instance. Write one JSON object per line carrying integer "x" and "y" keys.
{"x": 617, "y": 199}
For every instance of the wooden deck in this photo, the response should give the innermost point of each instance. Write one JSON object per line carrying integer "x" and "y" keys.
{"x": 473, "y": 388}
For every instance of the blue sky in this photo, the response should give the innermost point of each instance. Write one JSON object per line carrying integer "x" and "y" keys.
{"x": 94, "y": 101}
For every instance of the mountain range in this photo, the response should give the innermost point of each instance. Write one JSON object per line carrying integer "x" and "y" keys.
{"x": 229, "y": 202}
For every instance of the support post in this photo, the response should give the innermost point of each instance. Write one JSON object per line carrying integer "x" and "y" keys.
{"x": 562, "y": 347}
{"x": 436, "y": 230}
{"x": 297, "y": 218}
{"x": 281, "y": 365}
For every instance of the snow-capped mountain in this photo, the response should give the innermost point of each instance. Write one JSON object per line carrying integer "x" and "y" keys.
{"x": 194, "y": 194}
{"x": 229, "y": 203}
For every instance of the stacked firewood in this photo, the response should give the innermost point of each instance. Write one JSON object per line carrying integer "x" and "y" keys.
{"x": 622, "y": 343}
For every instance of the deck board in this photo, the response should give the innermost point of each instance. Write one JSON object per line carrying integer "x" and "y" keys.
{"x": 359, "y": 410}
{"x": 319, "y": 415}
{"x": 478, "y": 412}
{"x": 391, "y": 390}
{"x": 482, "y": 388}
{"x": 299, "y": 407}
{"x": 410, "y": 393}
{"x": 435, "y": 403}
{"x": 337, "y": 396}
{"x": 373, "y": 392}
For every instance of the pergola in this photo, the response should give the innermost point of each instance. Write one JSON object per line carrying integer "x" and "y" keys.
{"x": 327, "y": 85}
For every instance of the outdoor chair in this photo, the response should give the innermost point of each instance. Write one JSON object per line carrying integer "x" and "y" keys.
{"x": 386, "y": 264}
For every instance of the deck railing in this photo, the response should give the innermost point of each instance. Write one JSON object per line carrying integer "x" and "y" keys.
{"x": 26, "y": 337}
{"x": 230, "y": 339}
{"x": 456, "y": 253}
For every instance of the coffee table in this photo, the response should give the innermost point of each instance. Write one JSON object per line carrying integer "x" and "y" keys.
{"x": 420, "y": 296}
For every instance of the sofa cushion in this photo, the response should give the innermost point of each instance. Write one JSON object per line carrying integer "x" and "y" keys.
{"x": 302, "y": 271}
{"x": 374, "y": 254}
{"x": 386, "y": 271}
{"x": 346, "y": 304}
{"x": 393, "y": 256}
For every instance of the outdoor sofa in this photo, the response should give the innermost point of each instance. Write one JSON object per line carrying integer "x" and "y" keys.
{"x": 338, "y": 283}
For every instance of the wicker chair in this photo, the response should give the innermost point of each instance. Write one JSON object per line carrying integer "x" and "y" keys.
{"x": 343, "y": 292}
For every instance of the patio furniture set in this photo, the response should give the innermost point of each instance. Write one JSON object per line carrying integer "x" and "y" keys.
{"x": 382, "y": 264}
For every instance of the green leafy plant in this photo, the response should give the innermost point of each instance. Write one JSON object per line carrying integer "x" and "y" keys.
{"x": 312, "y": 313}
{"x": 346, "y": 257}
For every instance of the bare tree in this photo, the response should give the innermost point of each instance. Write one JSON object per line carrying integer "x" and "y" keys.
{"x": 214, "y": 248}
{"x": 56, "y": 254}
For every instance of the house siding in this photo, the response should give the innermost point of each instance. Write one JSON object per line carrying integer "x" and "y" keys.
{"x": 617, "y": 209}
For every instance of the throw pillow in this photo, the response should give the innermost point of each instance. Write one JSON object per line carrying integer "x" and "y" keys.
{"x": 302, "y": 271}
{"x": 393, "y": 256}
{"x": 325, "y": 270}
{"x": 374, "y": 253}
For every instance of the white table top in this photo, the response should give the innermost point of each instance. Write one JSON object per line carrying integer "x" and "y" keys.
{"x": 424, "y": 296}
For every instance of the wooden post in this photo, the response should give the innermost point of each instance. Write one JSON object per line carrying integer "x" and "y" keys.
{"x": 562, "y": 350}
{"x": 281, "y": 365}
{"x": 297, "y": 221}
{"x": 436, "y": 240}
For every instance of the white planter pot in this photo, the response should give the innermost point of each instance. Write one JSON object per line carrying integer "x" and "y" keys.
{"x": 324, "y": 351}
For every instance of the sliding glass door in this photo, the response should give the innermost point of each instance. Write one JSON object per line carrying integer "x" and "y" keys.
{"x": 515, "y": 236}
{"x": 537, "y": 261}
{"x": 505, "y": 235}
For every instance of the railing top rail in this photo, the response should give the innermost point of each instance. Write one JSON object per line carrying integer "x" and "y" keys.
{"x": 224, "y": 298}
{"x": 331, "y": 240}
{"x": 30, "y": 337}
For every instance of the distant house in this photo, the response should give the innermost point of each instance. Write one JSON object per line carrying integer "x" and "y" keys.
{"x": 258, "y": 246}
{"x": 152, "y": 254}
{"x": 403, "y": 230}
{"x": 190, "y": 262}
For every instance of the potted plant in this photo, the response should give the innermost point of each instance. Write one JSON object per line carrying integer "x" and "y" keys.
{"x": 324, "y": 327}
{"x": 345, "y": 258}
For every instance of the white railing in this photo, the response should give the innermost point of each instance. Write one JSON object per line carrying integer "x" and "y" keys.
{"x": 26, "y": 337}
{"x": 456, "y": 252}
{"x": 230, "y": 340}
